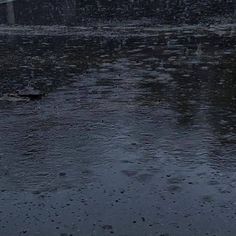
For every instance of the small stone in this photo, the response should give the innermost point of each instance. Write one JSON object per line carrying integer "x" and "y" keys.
{"x": 30, "y": 92}
{"x": 62, "y": 174}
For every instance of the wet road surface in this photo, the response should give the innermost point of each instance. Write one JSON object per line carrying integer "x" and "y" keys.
{"x": 136, "y": 135}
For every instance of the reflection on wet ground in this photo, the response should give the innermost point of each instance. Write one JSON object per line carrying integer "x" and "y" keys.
{"x": 136, "y": 135}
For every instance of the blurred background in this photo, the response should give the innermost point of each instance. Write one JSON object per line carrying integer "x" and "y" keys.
{"x": 72, "y": 12}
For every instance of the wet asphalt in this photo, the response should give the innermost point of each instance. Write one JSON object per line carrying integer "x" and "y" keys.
{"x": 135, "y": 136}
